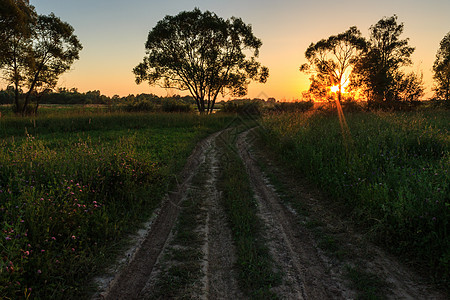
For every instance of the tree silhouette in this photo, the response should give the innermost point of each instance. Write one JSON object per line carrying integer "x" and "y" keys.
{"x": 378, "y": 72}
{"x": 331, "y": 59}
{"x": 203, "y": 54}
{"x": 37, "y": 50}
{"x": 441, "y": 69}
{"x": 16, "y": 21}
{"x": 16, "y": 16}
{"x": 54, "y": 49}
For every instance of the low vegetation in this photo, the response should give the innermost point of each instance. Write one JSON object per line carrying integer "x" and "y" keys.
{"x": 256, "y": 272}
{"x": 72, "y": 186}
{"x": 391, "y": 170}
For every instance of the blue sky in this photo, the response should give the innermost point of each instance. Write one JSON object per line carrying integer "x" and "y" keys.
{"x": 114, "y": 32}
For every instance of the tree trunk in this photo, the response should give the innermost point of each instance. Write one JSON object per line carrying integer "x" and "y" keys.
{"x": 340, "y": 92}
{"x": 16, "y": 99}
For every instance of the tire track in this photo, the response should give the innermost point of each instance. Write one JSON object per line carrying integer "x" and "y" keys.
{"x": 291, "y": 247}
{"x": 133, "y": 277}
{"x": 220, "y": 276}
{"x": 309, "y": 269}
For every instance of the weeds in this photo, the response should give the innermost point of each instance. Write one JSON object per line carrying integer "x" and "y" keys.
{"x": 74, "y": 185}
{"x": 393, "y": 173}
{"x": 368, "y": 285}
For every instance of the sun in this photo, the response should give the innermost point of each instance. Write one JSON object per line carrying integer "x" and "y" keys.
{"x": 334, "y": 88}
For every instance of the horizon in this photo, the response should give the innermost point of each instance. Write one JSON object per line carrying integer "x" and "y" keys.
{"x": 117, "y": 45}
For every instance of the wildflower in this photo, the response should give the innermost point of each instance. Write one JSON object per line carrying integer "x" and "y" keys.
{"x": 39, "y": 271}
{"x": 53, "y": 238}
{"x": 73, "y": 237}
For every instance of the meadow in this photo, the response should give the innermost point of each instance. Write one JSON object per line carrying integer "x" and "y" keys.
{"x": 389, "y": 170}
{"x": 74, "y": 182}
{"x": 72, "y": 185}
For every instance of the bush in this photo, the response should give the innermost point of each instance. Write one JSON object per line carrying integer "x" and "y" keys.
{"x": 243, "y": 107}
{"x": 170, "y": 105}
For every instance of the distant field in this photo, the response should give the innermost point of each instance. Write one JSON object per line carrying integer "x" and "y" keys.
{"x": 391, "y": 171}
{"x": 58, "y": 109}
{"x": 71, "y": 185}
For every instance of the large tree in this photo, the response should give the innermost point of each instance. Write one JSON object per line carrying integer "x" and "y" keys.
{"x": 203, "y": 54}
{"x": 332, "y": 59}
{"x": 378, "y": 71}
{"x": 17, "y": 19}
{"x": 54, "y": 50}
{"x": 35, "y": 53}
{"x": 441, "y": 69}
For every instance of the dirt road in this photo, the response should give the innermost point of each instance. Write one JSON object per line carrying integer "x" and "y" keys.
{"x": 188, "y": 251}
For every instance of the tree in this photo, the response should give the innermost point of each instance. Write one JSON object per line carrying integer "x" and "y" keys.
{"x": 441, "y": 69}
{"x": 409, "y": 87}
{"x": 333, "y": 58}
{"x": 16, "y": 21}
{"x": 378, "y": 71}
{"x": 36, "y": 53}
{"x": 203, "y": 54}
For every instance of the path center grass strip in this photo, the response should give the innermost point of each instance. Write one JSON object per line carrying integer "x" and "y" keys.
{"x": 71, "y": 188}
{"x": 256, "y": 273}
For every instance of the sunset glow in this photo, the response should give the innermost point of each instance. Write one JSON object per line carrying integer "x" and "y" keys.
{"x": 116, "y": 45}
{"x": 335, "y": 89}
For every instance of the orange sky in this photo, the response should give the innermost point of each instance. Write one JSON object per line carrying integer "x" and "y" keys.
{"x": 113, "y": 34}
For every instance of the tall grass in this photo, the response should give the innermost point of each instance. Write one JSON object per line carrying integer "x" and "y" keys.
{"x": 393, "y": 173}
{"x": 72, "y": 186}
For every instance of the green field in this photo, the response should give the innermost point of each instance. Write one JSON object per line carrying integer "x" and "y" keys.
{"x": 71, "y": 187}
{"x": 391, "y": 172}
{"x": 73, "y": 184}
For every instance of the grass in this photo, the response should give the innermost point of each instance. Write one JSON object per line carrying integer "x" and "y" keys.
{"x": 179, "y": 278}
{"x": 256, "y": 272}
{"x": 368, "y": 285}
{"x": 72, "y": 186}
{"x": 181, "y": 268}
{"x": 392, "y": 174}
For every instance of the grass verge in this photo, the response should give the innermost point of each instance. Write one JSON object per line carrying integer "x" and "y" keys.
{"x": 392, "y": 172}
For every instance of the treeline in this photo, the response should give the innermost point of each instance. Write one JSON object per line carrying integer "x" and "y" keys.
{"x": 140, "y": 102}
{"x": 176, "y": 103}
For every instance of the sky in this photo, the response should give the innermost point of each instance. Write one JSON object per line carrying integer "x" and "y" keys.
{"x": 113, "y": 34}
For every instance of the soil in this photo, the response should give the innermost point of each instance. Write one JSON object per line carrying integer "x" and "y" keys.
{"x": 308, "y": 270}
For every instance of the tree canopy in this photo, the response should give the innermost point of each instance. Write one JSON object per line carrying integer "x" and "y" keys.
{"x": 16, "y": 17}
{"x": 378, "y": 71}
{"x": 441, "y": 69}
{"x": 332, "y": 59}
{"x": 204, "y": 54}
